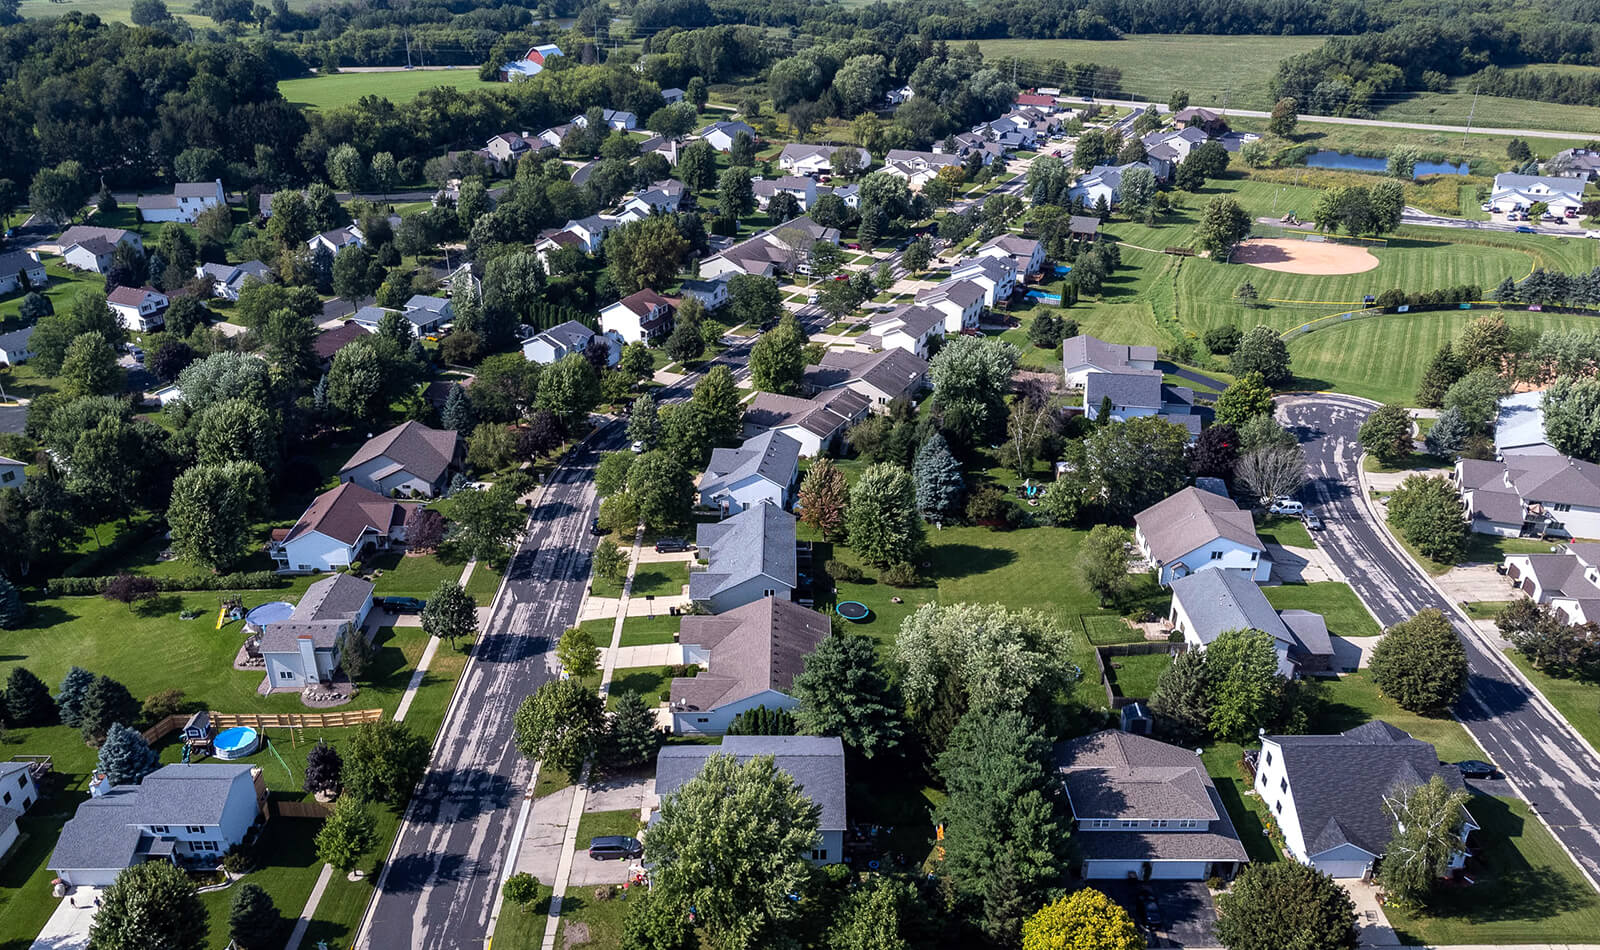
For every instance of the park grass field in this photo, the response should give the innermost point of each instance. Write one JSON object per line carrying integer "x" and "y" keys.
{"x": 1239, "y": 68}
{"x": 341, "y": 89}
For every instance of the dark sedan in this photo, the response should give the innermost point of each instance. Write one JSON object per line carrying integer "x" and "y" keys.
{"x": 403, "y": 605}
{"x": 1475, "y": 768}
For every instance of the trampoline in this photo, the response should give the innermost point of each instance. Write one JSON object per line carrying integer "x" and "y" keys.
{"x": 236, "y": 743}
{"x": 853, "y": 611}
{"x": 275, "y": 611}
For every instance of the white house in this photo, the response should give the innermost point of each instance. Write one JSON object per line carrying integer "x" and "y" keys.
{"x": 1083, "y": 355}
{"x": 615, "y": 119}
{"x": 13, "y": 473}
{"x": 89, "y": 248}
{"x": 1025, "y": 255}
{"x": 532, "y": 62}
{"x": 408, "y": 460}
{"x": 917, "y": 168}
{"x": 1519, "y": 426}
{"x": 645, "y": 315}
{"x": 817, "y": 423}
{"x": 750, "y": 654}
{"x": 661, "y": 197}
{"x": 1164, "y": 151}
{"x": 1145, "y": 810}
{"x": 672, "y": 95}
{"x": 368, "y": 317}
{"x": 1569, "y": 582}
{"x": 815, "y": 763}
{"x": 1102, "y": 182}
{"x": 749, "y": 555}
{"x": 569, "y": 337}
{"x": 337, "y": 240}
{"x": 1327, "y": 793}
{"x": 721, "y": 135}
{"x": 593, "y": 229}
{"x": 1135, "y": 393}
{"x": 909, "y": 327}
{"x": 798, "y": 158}
{"x": 1207, "y": 604}
{"x": 17, "y": 266}
{"x": 775, "y": 250}
{"x": 228, "y": 279}
{"x": 189, "y": 200}
{"x": 802, "y": 188}
{"x": 427, "y": 313}
{"x": 1519, "y": 192}
{"x": 1531, "y": 495}
{"x": 14, "y": 345}
{"x": 138, "y": 308}
{"x": 761, "y": 470}
{"x": 997, "y": 278}
{"x": 961, "y": 301}
{"x": 305, "y": 649}
{"x": 189, "y": 814}
{"x": 340, "y": 527}
{"x": 18, "y": 792}
{"x": 880, "y": 377}
{"x": 712, "y": 293}
{"x": 1195, "y": 530}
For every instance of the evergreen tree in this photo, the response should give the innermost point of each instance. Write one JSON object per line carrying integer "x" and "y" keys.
{"x": 762, "y": 721}
{"x": 253, "y": 920}
{"x": 1182, "y": 697}
{"x": 12, "y": 610}
{"x": 1442, "y": 372}
{"x": 941, "y": 485}
{"x": 125, "y": 757}
{"x": 1006, "y": 904}
{"x": 1448, "y": 435}
{"x": 28, "y": 700}
{"x": 458, "y": 413}
{"x": 631, "y": 737}
{"x": 105, "y": 702}
{"x": 843, "y": 691}
{"x": 69, "y": 698}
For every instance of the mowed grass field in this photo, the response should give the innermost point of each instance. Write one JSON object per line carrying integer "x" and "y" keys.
{"x": 1455, "y": 106}
{"x": 341, "y": 89}
{"x": 1209, "y": 67}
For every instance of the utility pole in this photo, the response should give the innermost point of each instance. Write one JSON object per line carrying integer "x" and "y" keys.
{"x": 1227, "y": 91}
{"x": 407, "y": 35}
{"x": 1470, "y": 113}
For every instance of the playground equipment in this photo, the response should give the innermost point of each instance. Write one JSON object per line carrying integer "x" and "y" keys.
{"x": 853, "y": 611}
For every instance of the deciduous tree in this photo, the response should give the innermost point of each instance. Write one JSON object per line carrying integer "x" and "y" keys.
{"x": 1286, "y": 904}
{"x": 1085, "y": 918}
{"x": 1103, "y": 562}
{"x": 824, "y": 497}
{"x": 150, "y": 906}
{"x": 777, "y": 359}
{"x": 843, "y": 691}
{"x": 1426, "y": 822}
{"x": 211, "y": 512}
{"x": 1386, "y": 433}
{"x": 384, "y": 760}
{"x": 1427, "y": 512}
{"x": 1249, "y": 396}
{"x": 348, "y": 835}
{"x": 1420, "y": 663}
{"x": 450, "y": 613}
{"x": 1263, "y": 351}
{"x": 560, "y": 724}
{"x": 882, "y": 519}
{"x": 324, "y": 769}
{"x": 1223, "y": 223}
{"x": 1182, "y": 697}
{"x": 1243, "y": 682}
{"x": 577, "y": 653}
{"x": 991, "y": 656}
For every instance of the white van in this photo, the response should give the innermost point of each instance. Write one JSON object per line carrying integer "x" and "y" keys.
{"x": 1286, "y": 506}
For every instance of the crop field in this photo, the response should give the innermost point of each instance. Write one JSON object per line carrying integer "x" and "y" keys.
{"x": 341, "y": 89}
{"x": 118, "y": 10}
{"x": 1454, "y": 107}
{"x": 1212, "y": 68}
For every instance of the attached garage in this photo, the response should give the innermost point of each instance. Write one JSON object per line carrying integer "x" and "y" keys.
{"x": 1343, "y": 869}
{"x": 1102, "y": 870}
{"x": 1345, "y": 861}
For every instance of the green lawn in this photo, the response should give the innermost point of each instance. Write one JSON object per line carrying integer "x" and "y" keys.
{"x": 1354, "y": 699}
{"x": 1577, "y": 700}
{"x": 647, "y": 631}
{"x": 648, "y": 681}
{"x": 1416, "y": 461}
{"x": 519, "y": 927}
{"x": 1287, "y": 531}
{"x": 342, "y": 89}
{"x": 1105, "y": 630}
{"x": 1249, "y": 812}
{"x": 1486, "y": 609}
{"x": 660, "y": 579}
{"x": 1527, "y": 889}
{"x": 406, "y": 575}
{"x": 603, "y": 919}
{"x": 1336, "y": 602}
{"x": 1134, "y": 677}
{"x": 596, "y": 824}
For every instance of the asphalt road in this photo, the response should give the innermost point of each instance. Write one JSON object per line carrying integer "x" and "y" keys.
{"x": 1554, "y": 771}
{"x": 1379, "y": 123}
{"x": 439, "y": 884}
{"x": 1571, "y": 228}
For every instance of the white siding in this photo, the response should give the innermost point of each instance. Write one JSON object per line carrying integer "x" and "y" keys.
{"x": 750, "y": 591}
{"x": 715, "y": 722}
{"x": 1233, "y": 557}
{"x": 1270, "y": 777}
{"x": 316, "y": 551}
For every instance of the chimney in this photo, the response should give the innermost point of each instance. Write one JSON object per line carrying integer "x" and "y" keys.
{"x": 308, "y": 659}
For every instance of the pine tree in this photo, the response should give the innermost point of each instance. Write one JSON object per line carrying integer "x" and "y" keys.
{"x": 1448, "y": 435}
{"x": 125, "y": 757}
{"x": 458, "y": 413}
{"x": 28, "y": 700}
{"x": 1005, "y": 905}
{"x": 941, "y": 485}
{"x": 69, "y": 698}
{"x": 1442, "y": 372}
{"x": 12, "y": 610}
{"x": 105, "y": 702}
{"x": 762, "y": 721}
{"x": 843, "y": 691}
{"x": 253, "y": 920}
{"x": 631, "y": 736}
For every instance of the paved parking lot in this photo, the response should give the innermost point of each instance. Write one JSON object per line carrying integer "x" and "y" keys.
{"x": 1188, "y": 916}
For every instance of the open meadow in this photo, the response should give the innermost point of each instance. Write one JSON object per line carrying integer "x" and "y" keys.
{"x": 341, "y": 89}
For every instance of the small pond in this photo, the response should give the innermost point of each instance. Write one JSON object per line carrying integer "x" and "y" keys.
{"x": 1366, "y": 163}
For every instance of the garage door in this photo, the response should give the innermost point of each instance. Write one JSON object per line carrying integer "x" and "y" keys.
{"x": 1342, "y": 869}
{"x": 1178, "y": 870}
{"x": 1110, "y": 870}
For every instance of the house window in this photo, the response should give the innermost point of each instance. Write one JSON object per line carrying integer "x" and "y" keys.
{"x": 1283, "y": 784}
{"x": 702, "y": 719}
{"x": 1216, "y": 555}
{"x": 8, "y": 476}
{"x": 1129, "y": 824}
{"x": 769, "y": 592}
{"x": 195, "y": 829}
{"x": 1267, "y": 756}
{"x": 1162, "y": 823}
{"x": 26, "y": 801}
{"x": 1280, "y": 807}
{"x": 22, "y": 781}
{"x": 204, "y": 846}
{"x": 6, "y": 800}
{"x": 1263, "y": 780}
{"x": 819, "y": 854}
{"x": 285, "y": 674}
{"x": 1560, "y": 507}
{"x": 158, "y": 829}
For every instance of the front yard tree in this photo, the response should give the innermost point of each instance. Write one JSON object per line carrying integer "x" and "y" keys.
{"x": 754, "y": 300}
{"x": 837, "y": 298}
{"x": 610, "y": 562}
{"x": 1215, "y": 452}
{"x": 105, "y": 702}
{"x": 663, "y": 488}
{"x": 1182, "y": 697}
{"x": 450, "y": 613}
{"x": 1223, "y": 224}
{"x": 1285, "y": 116}
{"x": 383, "y": 762}
{"x": 716, "y": 395}
{"x": 777, "y": 359}
{"x": 1245, "y": 687}
{"x": 125, "y": 757}
{"x": 577, "y": 653}
{"x": 1426, "y": 821}
{"x": 843, "y": 691}
{"x": 971, "y": 377}
{"x": 348, "y": 835}
{"x": 1248, "y": 397}
{"x": 253, "y": 920}
{"x": 560, "y": 725}
{"x": 570, "y": 389}
{"x": 882, "y": 519}
{"x": 1085, "y": 918}
{"x": 151, "y": 906}
{"x": 69, "y": 697}
{"x": 1262, "y": 351}
{"x": 611, "y": 473}
{"x": 731, "y": 844}
{"x": 644, "y": 422}
{"x": 1427, "y": 512}
{"x": 89, "y": 367}
{"x": 631, "y": 735}
{"x": 1272, "y": 471}
{"x": 685, "y": 343}
{"x": 1103, "y": 562}
{"x": 1286, "y": 904}
{"x": 824, "y": 497}
{"x": 1572, "y": 417}
{"x": 1420, "y": 663}
{"x": 1386, "y": 433}
{"x": 484, "y": 521}
{"x": 1448, "y": 435}
{"x": 941, "y": 484}
{"x": 324, "y": 769}
{"x": 211, "y": 512}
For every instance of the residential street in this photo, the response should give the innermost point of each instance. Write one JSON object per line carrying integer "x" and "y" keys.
{"x": 438, "y": 887}
{"x": 1540, "y": 755}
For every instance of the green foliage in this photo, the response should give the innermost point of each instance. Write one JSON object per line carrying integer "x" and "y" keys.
{"x": 521, "y": 889}
{"x": 844, "y": 691}
{"x": 1442, "y": 372}
{"x": 151, "y": 906}
{"x": 484, "y": 521}
{"x": 882, "y": 519}
{"x": 990, "y": 656}
{"x": 1285, "y": 116}
{"x": 777, "y": 360}
{"x": 1182, "y": 697}
{"x": 882, "y": 914}
{"x": 644, "y": 423}
{"x": 1572, "y": 417}
{"x": 1426, "y": 822}
{"x": 941, "y": 484}
{"x": 1248, "y": 397}
{"x": 1420, "y": 663}
{"x": 762, "y": 721}
{"x": 570, "y": 389}
{"x": 349, "y": 834}
{"x": 1243, "y": 683}
{"x": 1427, "y": 512}
{"x": 824, "y": 497}
{"x": 27, "y": 699}
{"x": 611, "y": 474}
{"x": 1477, "y": 397}
{"x": 560, "y": 725}
{"x": 577, "y": 653}
{"x": 717, "y": 398}
{"x": 631, "y": 735}
{"x": 971, "y": 377}
{"x": 1223, "y": 223}
{"x": 610, "y": 562}
{"x": 1085, "y": 918}
{"x": 1386, "y": 433}
{"x": 105, "y": 702}
{"x": 1285, "y": 904}
{"x": 253, "y": 920}
{"x": 89, "y": 367}
{"x": 1121, "y": 468}
{"x": 1223, "y": 340}
{"x": 69, "y": 697}
{"x": 383, "y": 761}
{"x": 1263, "y": 351}
{"x": 1103, "y": 562}
{"x": 451, "y": 613}
{"x": 125, "y": 757}
{"x": 663, "y": 488}
{"x": 212, "y": 510}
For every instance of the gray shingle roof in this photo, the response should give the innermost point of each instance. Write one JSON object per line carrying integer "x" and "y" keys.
{"x": 105, "y": 831}
{"x": 422, "y": 451}
{"x": 750, "y": 544}
{"x": 1217, "y": 601}
{"x": 15, "y": 260}
{"x": 1555, "y": 478}
{"x": 822, "y": 416}
{"x": 759, "y": 646}
{"x": 1084, "y": 349}
{"x": 1183, "y": 522}
{"x": 964, "y": 292}
{"x": 571, "y": 335}
{"x": 895, "y": 372}
{"x": 322, "y": 614}
{"x": 770, "y": 455}
{"x": 17, "y": 340}
{"x": 1134, "y": 389}
{"x": 816, "y": 763}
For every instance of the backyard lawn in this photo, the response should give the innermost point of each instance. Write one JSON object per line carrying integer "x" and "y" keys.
{"x": 1135, "y": 677}
{"x": 1354, "y": 699}
{"x": 1248, "y": 811}
{"x": 1335, "y": 601}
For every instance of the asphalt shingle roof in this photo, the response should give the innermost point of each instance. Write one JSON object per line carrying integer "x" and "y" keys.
{"x": 1217, "y": 601}
{"x": 757, "y": 647}
{"x": 105, "y": 831}
{"x": 324, "y": 610}
{"x": 752, "y": 543}
{"x": 343, "y": 513}
{"x": 1184, "y": 521}
{"x": 816, "y": 763}
{"x": 1084, "y": 349}
{"x": 770, "y": 455}
{"x": 422, "y": 451}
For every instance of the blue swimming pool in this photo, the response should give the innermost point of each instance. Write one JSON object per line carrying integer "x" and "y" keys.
{"x": 275, "y": 611}
{"x": 236, "y": 743}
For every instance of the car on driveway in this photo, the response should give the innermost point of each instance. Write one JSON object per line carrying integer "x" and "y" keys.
{"x": 1475, "y": 768}
{"x": 671, "y": 545}
{"x": 1285, "y": 506}
{"x": 1149, "y": 910}
{"x": 614, "y": 847}
{"x": 403, "y": 605}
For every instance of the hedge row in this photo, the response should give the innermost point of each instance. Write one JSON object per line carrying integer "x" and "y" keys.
{"x": 1449, "y": 297}
{"x": 244, "y": 580}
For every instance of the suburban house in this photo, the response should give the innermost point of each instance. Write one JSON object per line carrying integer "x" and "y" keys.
{"x": 750, "y": 656}
{"x": 138, "y": 308}
{"x": 849, "y": 194}
{"x": 817, "y": 423}
{"x": 1580, "y": 163}
{"x": 189, "y": 200}
{"x": 615, "y": 119}
{"x": 881, "y": 377}
{"x": 998, "y": 278}
{"x": 1138, "y": 393}
{"x": 802, "y": 188}
{"x": 14, "y": 345}
{"x": 189, "y": 814}
{"x": 18, "y": 792}
{"x": 1195, "y": 530}
{"x": 672, "y": 95}
{"x": 1083, "y": 227}
{"x": 13, "y": 473}
{"x": 1207, "y": 121}
{"x": 1569, "y": 582}
{"x": 799, "y": 158}
{"x": 917, "y": 168}
{"x": 776, "y": 249}
{"x": 1531, "y": 496}
{"x": 228, "y": 279}
{"x": 1326, "y": 793}
{"x": 1084, "y": 355}
{"x": 340, "y": 527}
{"x": 961, "y": 302}
{"x": 329, "y": 342}
{"x": 569, "y": 337}
{"x": 1102, "y": 182}
{"x": 368, "y": 317}
{"x": 645, "y": 315}
{"x": 554, "y": 135}
{"x": 408, "y": 460}
{"x": 762, "y": 469}
{"x": 1165, "y": 151}
{"x": 750, "y": 555}
{"x": 895, "y": 97}
{"x": 720, "y": 135}
{"x": 910, "y": 327}
{"x": 1025, "y": 255}
{"x": 1514, "y": 192}
{"x": 304, "y": 649}
{"x": 816, "y": 763}
{"x": 507, "y": 148}
{"x": 1146, "y": 810}
{"x": 661, "y": 197}
{"x": 555, "y": 240}
{"x": 711, "y": 293}
{"x": 531, "y": 64}
{"x": 90, "y": 248}
{"x": 1519, "y": 426}
{"x": 427, "y": 313}
{"x": 20, "y": 265}
{"x": 593, "y": 229}
{"x": 337, "y": 240}
{"x": 1206, "y": 604}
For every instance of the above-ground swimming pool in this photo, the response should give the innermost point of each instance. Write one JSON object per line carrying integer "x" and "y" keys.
{"x": 276, "y": 611}
{"x": 236, "y": 743}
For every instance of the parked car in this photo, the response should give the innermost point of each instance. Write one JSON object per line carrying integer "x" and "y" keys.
{"x": 1475, "y": 768}
{"x": 1524, "y": 229}
{"x": 671, "y": 545}
{"x": 403, "y": 605}
{"x": 138, "y": 354}
{"x": 1313, "y": 523}
{"x": 614, "y": 847}
{"x": 1149, "y": 910}
{"x": 852, "y": 247}
{"x": 1286, "y": 506}
{"x": 637, "y": 447}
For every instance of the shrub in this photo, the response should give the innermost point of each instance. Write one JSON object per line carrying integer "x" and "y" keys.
{"x": 521, "y": 889}
{"x": 901, "y": 574}
{"x": 243, "y": 580}
{"x": 168, "y": 702}
{"x": 846, "y": 572}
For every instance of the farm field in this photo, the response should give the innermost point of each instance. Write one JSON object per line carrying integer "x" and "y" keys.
{"x": 331, "y": 92}
{"x": 1209, "y": 67}
{"x": 1377, "y": 139}
{"x": 1453, "y": 107}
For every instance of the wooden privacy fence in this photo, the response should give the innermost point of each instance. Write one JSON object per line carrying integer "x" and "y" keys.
{"x": 300, "y": 809}
{"x": 327, "y": 720}
{"x": 165, "y": 727}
